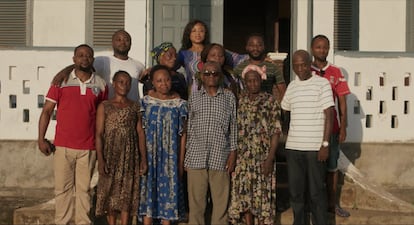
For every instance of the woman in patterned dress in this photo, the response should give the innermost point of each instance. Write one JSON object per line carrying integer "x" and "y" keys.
{"x": 164, "y": 120}
{"x": 120, "y": 147}
{"x": 253, "y": 194}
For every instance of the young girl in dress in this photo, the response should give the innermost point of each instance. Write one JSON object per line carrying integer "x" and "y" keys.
{"x": 253, "y": 194}
{"x": 164, "y": 121}
{"x": 120, "y": 147}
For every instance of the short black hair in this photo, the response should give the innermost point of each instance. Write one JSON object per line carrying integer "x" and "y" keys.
{"x": 255, "y": 35}
{"x": 155, "y": 69}
{"x": 119, "y": 72}
{"x": 121, "y": 31}
{"x": 81, "y": 46}
{"x": 319, "y": 36}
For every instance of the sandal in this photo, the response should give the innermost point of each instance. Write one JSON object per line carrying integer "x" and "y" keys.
{"x": 341, "y": 212}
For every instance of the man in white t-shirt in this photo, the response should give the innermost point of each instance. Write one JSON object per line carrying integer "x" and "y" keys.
{"x": 107, "y": 66}
{"x": 310, "y": 103}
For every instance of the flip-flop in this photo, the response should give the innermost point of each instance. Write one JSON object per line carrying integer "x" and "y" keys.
{"x": 341, "y": 212}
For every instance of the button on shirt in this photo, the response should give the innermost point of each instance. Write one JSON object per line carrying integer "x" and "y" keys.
{"x": 212, "y": 128}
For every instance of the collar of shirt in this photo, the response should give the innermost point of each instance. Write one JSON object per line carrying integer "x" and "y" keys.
{"x": 220, "y": 90}
{"x": 82, "y": 85}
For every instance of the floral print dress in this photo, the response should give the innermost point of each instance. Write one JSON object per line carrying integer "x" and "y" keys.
{"x": 258, "y": 120}
{"x": 162, "y": 195}
{"x": 120, "y": 190}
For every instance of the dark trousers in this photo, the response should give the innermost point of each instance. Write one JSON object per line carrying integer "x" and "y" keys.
{"x": 307, "y": 186}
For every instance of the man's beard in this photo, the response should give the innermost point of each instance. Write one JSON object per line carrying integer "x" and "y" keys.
{"x": 88, "y": 69}
{"x": 122, "y": 52}
{"x": 257, "y": 58}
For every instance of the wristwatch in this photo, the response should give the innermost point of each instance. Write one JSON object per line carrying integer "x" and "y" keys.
{"x": 325, "y": 144}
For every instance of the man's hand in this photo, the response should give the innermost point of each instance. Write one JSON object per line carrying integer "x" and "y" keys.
{"x": 342, "y": 135}
{"x": 44, "y": 147}
{"x": 103, "y": 168}
{"x": 231, "y": 162}
{"x": 323, "y": 154}
{"x": 267, "y": 166}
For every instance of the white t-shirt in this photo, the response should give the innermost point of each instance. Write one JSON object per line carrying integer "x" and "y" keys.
{"x": 306, "y": 100}
{"x": 107, "y": 66}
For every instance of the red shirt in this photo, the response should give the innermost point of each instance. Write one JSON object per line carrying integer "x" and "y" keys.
{"x": 76, "y": 111}
{"x": 338, "y": 84}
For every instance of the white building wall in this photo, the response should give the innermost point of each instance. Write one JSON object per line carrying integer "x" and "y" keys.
{"x": 58, "y": 23}
{"x": 301, "y": 31}
{"x": 363, "y": 72}
{"x": 324, "y": 11}
{"x": 36, "y": 67}
{"x": 136, "y": 17}
{"x": 33, "y": 69}
{"x": 382, "y": 29}
{"x": 382, "y": 25}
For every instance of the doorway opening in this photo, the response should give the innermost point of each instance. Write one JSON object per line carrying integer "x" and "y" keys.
{"x": 269, "y": 17}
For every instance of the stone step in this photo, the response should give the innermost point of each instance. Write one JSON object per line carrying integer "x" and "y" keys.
{"x": 43, "y": 214}
{"x": 38, "y": 214}
{"x": 359, "y": 216}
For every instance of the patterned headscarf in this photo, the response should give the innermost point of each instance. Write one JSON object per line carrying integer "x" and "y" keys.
{"x": 260, "y": 70}
{"x": 160, "y": 50}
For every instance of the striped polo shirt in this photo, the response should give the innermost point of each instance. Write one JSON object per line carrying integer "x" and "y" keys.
{"x": 306, "y": 100}
{"x": 77, "y": 102}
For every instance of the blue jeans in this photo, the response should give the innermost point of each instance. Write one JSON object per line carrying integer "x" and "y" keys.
{"x": 307, "y": 186}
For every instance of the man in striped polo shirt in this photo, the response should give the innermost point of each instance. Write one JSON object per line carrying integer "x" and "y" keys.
{"x": 310, "y": 103}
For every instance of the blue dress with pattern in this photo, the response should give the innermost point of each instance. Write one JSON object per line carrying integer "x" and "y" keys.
{"x": 162, "y": 194}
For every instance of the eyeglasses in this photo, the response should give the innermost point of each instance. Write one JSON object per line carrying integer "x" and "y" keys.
{"x": 211, "y": 73}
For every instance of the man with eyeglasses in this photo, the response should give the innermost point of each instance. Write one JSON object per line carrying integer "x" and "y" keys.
{"x": 211, "y": 146}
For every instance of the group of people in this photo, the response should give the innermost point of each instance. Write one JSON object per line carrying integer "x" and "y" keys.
{"x": 206, "y": 138}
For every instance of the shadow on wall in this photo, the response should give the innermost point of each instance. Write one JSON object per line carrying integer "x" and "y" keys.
{"x": 352, "y": 146}
{"x": 356, "y": 116}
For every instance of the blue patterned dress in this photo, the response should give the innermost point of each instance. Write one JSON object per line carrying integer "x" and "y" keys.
{"x": 162, "y": 194}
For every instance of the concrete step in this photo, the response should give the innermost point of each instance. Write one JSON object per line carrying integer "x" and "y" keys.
{"x": 43, "y": 214}
{"x": 15, "y": 198}
{"x": 359, "y": 216}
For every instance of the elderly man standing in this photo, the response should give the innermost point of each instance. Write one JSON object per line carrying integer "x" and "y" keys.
{"x": 211, "y": 147}
{"x": 310, "y": 103}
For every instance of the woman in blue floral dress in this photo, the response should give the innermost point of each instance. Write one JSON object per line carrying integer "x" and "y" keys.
{"x": 164, "y": 117}
{"x": 253, "y": 194}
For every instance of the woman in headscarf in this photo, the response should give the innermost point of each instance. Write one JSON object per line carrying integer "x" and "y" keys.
{"x": 165, "y": 54}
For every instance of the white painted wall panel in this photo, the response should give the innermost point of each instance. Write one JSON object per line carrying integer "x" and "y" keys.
{"x": 58, "y": 23}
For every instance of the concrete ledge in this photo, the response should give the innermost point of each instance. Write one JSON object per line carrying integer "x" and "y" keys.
{"x": 366, "y": 217}
{"x": 39, "y": 214}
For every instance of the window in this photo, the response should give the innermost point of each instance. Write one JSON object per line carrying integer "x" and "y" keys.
{"x": 346, "y": 20}
{"x": 26, "y": 115}
{"x": 40, "y": 101}
{"x": 12, "y": 101}
{"x": 108, "y": 17}
{"x": 359, "y": 25}
{"x": 410, "y": 26}
{"x": 13, "y": 23}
